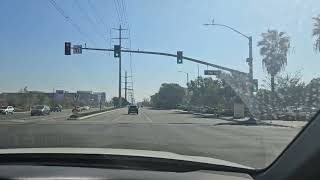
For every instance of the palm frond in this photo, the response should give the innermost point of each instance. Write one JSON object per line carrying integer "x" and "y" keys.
{"x": 274, "y": 48}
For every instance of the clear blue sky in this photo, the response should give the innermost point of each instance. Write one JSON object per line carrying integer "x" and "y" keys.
{"x": 33, "y": 34}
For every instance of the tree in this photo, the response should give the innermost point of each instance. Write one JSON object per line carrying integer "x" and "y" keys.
{"x": 316, "y": 33}
{"x": 145, "y": 102}
{"x": 312, "y": 93}
{"x": 115, "y": 101}
{"x": 205, "y": 91}
{"x": 274, "y": 48}
{"x": 169, "y": 96}
{"x": 290, "y": 91}
{"x": 212, "y": 93}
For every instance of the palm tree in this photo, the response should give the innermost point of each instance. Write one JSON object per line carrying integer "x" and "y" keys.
{"x": 274, "y": 48}
{"x": 316, "y": 33}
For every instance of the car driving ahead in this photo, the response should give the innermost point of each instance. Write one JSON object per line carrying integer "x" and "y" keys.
{"x": 133, "y": 109}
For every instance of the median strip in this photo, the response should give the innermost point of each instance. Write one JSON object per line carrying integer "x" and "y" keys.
{"x": 86, "y": 115}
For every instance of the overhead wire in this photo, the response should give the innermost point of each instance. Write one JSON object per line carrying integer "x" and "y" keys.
{"x": 69, "y": 20}
{"x": 124, "y": 12}
{"x": 94, "y": 26}
{"x": 117, "y": 10}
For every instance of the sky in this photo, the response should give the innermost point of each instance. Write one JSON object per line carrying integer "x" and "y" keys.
{"x": 33, "y": 33}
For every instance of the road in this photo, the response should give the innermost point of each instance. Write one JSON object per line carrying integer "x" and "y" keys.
{"x": 159, "y": 130}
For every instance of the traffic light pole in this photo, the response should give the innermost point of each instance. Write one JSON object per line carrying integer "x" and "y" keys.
{"x": 120, "y": 38}
{"x": 120, "y": 99}
{"x": 172, "y": 55}
{"x": 250, "y": 60}
{"x": 125, "y": 85}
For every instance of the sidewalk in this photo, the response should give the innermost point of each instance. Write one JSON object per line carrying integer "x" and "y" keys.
{"x": 245, "y": 121}
{"x": 293, "y": 124}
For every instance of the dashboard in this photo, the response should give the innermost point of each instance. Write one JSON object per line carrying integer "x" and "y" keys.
{"x": 59, "y": 172}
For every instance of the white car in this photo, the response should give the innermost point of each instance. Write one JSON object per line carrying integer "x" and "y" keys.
{"x": 85, "y": 108}
{"x": 6, "y": 110}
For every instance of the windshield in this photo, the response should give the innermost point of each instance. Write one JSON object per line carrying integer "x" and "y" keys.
{"x": 3, "y": 107}
{"x": 232, "y": 80}
{"x": 38, "y": 107}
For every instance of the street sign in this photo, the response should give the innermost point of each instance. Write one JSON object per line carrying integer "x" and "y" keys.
{"x": 179, "y": 57}
{"x": 77, "y": 49}
{"x": 212, "y": 72}
{"x": 67, "y": 48}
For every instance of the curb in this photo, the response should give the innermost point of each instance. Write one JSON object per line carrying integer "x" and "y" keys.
{"x": 91, "y": 115}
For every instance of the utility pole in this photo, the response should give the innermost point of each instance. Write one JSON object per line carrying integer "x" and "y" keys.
{"x": 198, "y": 76}
{"x": 125, "y": 85}
{"x": 120, "y": 38}
{"x": 249, "y": 61}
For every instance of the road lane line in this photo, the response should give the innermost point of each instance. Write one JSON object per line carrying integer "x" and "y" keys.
{"x": 115, "y": 119}
{"x": 146, "y": 116}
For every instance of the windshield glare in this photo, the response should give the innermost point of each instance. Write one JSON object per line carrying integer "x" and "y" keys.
{"x": 234, "y": 80}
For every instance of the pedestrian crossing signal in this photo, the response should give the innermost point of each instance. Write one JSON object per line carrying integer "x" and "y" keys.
{"x": 179, "y": 57}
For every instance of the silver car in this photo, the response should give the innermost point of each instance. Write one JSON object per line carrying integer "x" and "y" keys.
{"x": 40, "y": 110}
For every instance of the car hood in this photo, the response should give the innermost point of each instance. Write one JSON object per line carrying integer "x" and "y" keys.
{"x": 123, "y": 152}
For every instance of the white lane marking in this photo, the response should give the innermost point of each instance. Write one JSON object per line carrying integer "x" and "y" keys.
{"x": 146, "y": 116}
{"x": 115, "y": 119}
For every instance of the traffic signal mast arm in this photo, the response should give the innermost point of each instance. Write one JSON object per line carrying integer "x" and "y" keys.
{"x": 172, "y": 55}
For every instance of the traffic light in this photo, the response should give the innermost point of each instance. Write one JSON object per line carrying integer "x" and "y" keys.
{"x": 255, "y": 85}
{"x": 179, "y": 57}
{"x": 67, "y": 48}
{"x": 117, "y": 51}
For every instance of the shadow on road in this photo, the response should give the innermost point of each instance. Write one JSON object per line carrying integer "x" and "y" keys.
{"x": 180, "y": 112}
{"x": 248, "y": 123}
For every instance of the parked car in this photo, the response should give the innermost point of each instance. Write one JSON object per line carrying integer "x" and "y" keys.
{"x": 133, "y": 109}
{"x": 227, "y": 112}
{"x": 40, "y": 110}
{"x": 56, "y": 108}
{"x": 85, "y": 108}
{"x": 76, "y": 109}
{"x": 6, "y": 110}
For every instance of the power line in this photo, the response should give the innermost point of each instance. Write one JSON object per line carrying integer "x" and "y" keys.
{"x": 117, "y": 10}
{"x": 88, "y": 18}
{"x": 131, "y": 73}
{"x": 124, "y": 12}
{"x": 121, "y": 11}
{"x": 96, "y": 14}
{"x": 69, "y": 20}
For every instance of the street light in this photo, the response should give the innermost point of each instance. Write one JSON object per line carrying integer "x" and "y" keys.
{"x": 187, "y": 76}
{"x": 250, "y": 59}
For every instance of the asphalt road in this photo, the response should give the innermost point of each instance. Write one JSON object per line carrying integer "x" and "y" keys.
{"x": 160, "y": 130}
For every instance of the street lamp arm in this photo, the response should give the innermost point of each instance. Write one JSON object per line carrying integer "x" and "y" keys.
{"x": 230, "y": 28}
